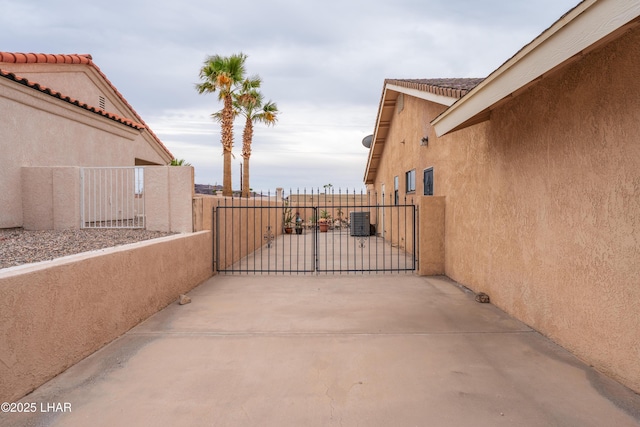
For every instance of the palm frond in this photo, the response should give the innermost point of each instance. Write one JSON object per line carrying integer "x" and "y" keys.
{"x": 269, "y": 113}
{"x": 179, "y": 162}
{"x": 223, "y": 74}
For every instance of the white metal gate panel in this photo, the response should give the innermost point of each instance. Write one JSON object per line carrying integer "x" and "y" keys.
{"x": 112, "y": 197}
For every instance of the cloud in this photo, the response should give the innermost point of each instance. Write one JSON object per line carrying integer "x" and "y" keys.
{"x": 323, "y": 63}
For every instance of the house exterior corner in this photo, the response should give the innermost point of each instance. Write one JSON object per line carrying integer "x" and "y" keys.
{"x": 542, "y": 201}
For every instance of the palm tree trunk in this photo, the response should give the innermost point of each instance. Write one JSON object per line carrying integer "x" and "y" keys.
{"x": 227, "y": 145}
{"x": 227, "y": 191}
{"x": 245, "y": 178}
{"x": 247, "y": 136}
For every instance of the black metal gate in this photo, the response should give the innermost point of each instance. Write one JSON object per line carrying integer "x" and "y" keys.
{"x": 314, "y": 233}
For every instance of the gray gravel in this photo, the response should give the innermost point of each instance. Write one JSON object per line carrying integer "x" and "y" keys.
{"x": 18, "y": 246}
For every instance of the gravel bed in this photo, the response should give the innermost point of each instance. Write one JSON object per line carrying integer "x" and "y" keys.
{"x": 18, "y": 246}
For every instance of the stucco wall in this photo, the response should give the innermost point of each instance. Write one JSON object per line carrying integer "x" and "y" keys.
{"x": 55, "y": 313}
{"x": 39, "y": 130}
{"x": 51, "y": 197}
{"x": 168, "y": 198}
{"x": 543, "y": 203}
{"x": 431, "y": 236}
{"x": 565, "y": 191}
{"x": 403, "y": 152}
{"x": 241, "y": 230}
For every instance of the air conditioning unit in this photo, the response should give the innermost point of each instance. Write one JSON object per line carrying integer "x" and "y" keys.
{"x": 360, "y": 224}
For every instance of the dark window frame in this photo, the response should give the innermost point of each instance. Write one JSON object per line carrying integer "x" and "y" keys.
{"x": 428, "y": 189}
{"x": 410, "y": 181}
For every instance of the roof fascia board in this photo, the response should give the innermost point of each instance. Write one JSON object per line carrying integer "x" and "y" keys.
{"x": 421, "y": 94}
{"x": 580, "y": 28}
{"x": 367, "y": 170}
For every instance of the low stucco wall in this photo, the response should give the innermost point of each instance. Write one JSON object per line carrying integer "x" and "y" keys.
{"x": 51, "y": 198}
{"x": 54, "y": 314}
{"x": 169, "y": 194}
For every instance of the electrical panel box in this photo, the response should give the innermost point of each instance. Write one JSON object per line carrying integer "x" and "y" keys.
{"x": 360, "y": 225}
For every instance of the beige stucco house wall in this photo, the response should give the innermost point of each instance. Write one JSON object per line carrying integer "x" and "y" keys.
{"x": 542, "y": 199}
{"x": 60, "y": 110}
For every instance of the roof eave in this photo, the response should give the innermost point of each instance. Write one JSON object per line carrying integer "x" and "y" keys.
{"x": 163, "y": 150}
{"x": 390, "y": 93}
{"x": 87, "y": 60}
{"x": 578, "y": 31}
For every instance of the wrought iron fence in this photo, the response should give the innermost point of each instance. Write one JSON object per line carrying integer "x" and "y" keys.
{"x": 314, "y": 233}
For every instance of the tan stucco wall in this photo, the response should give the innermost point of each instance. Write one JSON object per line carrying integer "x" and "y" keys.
{"x": 241, "y": 230}
{"x": 543, "y": 203}
{"x": 55, "y": 313}
{"x": 431, "y": 235}
{"x": 51, "y": 197}
{"x": 39, "y": 130}
{"x": 168, "y": 198}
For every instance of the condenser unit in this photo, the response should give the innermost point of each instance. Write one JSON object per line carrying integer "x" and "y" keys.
{"x": 360, "y": 225}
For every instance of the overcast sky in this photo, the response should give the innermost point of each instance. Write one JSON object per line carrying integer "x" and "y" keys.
{"x": 324, "y": 63}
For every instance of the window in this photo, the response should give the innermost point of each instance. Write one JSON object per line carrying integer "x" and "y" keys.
{"x": 428, "y": 182}
{"x": 410, "y": 178}
{"x": 396, "y": 191}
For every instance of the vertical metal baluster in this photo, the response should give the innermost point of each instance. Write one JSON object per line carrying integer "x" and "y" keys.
{"x": 261, "y": 228}
{"x": 225, "y": 243}
{"x": 375, "y": 236}
{"x": 269, "y": 228}
{"x": 217, "y": 228}
{"x": 340, "y": 224}
{"x": 316, "y": 259}
{"x": 304, "y": 239}
{"x": 244, "y": 213}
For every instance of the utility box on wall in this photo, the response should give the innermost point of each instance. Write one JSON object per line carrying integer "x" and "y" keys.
{"x": 360, "y": 225}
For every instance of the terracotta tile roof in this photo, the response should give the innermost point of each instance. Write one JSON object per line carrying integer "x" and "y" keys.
{"x": 24, "y": 58}
{"x": 455, "y": 88}
{"x": 58, "y": 95}
{"x": 86, "y": 59}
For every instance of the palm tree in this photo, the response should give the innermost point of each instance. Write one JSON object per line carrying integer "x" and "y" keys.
{"x": 224, "y": 74}
{"x": 179, "y": 162}
{"x": 249, "y": 103}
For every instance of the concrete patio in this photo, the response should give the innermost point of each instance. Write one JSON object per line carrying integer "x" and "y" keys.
{"x": 350, "y": 350}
